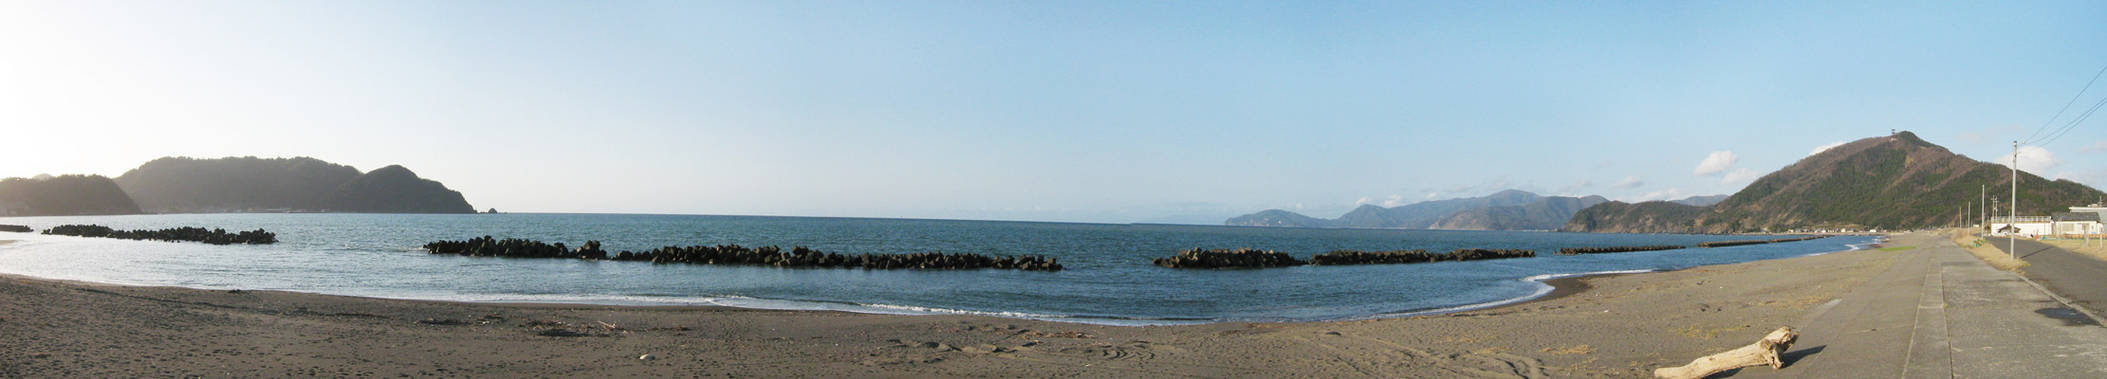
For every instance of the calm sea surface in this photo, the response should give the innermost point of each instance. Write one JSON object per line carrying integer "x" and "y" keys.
{"x": 1108, "y": 279}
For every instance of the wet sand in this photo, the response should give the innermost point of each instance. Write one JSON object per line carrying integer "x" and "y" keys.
{"x": 1614, "y": 325}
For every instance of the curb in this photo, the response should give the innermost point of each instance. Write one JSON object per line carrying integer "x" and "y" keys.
{"x": 2096, "y": 320}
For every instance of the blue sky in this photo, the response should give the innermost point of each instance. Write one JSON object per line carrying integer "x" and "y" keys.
{"x": 1055, "y": 110}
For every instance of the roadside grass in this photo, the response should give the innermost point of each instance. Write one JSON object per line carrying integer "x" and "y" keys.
{"x": 1982, "y": 250}
{"x": 2097, "y": 248}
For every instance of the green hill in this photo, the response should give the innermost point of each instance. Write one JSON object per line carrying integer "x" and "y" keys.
{"x": 188, "y": 185}
{"x": 1544, "y": 214}
{"x": 1890, "y": 182}
{"x": 1279, "y": 218}
{"x": 64, "y": 195}
{"x": 248, "y": 184}
{"x": 395, "y": 189}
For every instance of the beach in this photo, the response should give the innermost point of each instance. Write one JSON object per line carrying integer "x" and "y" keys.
{"x": 1613, "y": 325}
{"x": 1084, "y": 189}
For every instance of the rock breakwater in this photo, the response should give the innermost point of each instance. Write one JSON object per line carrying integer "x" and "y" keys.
{"x": 1357, "y": 257}
{"x": 1756, "y": 242}
{"x": 188, "y": 233}
{"x": 795, "y": 257}
{"x": 1616, "y": 249}
{"x": 1225, "y": 258}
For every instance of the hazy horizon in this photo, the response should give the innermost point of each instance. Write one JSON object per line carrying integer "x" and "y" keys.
{"x": 1062, "y": 111}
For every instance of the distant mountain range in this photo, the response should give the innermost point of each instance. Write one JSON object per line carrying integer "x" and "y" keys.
{"x": 1892, "y": 182}
{"x": 1504, "y": 210}
{"x": 1545, "y": 213}
{"x": 244, "y": 184}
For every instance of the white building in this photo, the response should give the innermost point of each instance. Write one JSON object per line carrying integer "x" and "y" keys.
{"x": 2022, "y": 225}
{"x": 2095, "y": 209}
{"x": 2074, "y": 224}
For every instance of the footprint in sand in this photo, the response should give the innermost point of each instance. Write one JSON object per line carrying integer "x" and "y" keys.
{"x": 1138, "y": 350}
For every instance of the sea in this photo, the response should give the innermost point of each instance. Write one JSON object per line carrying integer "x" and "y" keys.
{"x": 1109, "y": 278}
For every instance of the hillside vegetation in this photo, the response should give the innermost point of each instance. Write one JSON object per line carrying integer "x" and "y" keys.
{"x": 1891, "y": 182}
{"x": 63, "y": 196}
{"x": 238, "y": 184}
{"x": 1544, "y": 214}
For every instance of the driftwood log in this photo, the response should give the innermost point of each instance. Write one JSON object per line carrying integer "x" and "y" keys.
{"x": 1763, "y": 352}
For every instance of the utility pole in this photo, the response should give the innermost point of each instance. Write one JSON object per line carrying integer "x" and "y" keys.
{"x": 1983, "y": 191}
{"x": 2012, "y": 241}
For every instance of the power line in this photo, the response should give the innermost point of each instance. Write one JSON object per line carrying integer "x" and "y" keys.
{"x": 2066, "y": 105}
{"x": 2074, "y": 122}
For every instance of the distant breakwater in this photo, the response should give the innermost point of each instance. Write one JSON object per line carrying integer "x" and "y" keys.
{"x": 16, "y": 229}
{"x": 188, "y": 233}
{"x": 1616, "y": 249}
{"x": 1357, "y": 257}
{"x": 1253, "y": 258}
{"x": 1756, "y": 242}
{"x": 795, "y": 257}
{"x": 1626, "y": 249}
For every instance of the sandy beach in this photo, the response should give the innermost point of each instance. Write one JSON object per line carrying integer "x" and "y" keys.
{"x": 1614, "y": 326}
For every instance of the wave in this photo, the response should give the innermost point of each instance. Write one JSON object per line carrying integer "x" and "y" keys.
{"x": 1852, "y": 247}
{"x": 1083, "y": 319}
{"x": 734, "y": 301}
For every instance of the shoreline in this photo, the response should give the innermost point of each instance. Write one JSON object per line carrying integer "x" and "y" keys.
{"x": 52, "y": 327}
{"x": 1564, "y": 287}
{"x": 1557, "y": 285}
{"x": 1560, "y": 287}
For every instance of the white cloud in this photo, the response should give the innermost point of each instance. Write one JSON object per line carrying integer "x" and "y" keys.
{"x": 2097, "y": 147}
{"x": 1822, "y": 148}
{"x": 1988, "y": 135}
{"x": 1718, "y": 161}
{"x": 2032, "y": 159}
{"x": 2093, "y": 178}
{"x": 1740, "y": 175}
{"x": 1667, "y": 194}
{"x": 1389, "y": 202}
{"x": 1629, "y": 182}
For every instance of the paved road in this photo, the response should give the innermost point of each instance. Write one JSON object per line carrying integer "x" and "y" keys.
{"x": 1941, "y": 313}
{"x": 2078, "y": 278}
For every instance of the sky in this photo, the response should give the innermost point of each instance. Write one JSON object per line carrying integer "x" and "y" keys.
{"x": 1125, "y": 111}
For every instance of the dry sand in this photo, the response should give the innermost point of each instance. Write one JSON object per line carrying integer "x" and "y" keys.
{"x": 1618, "y": 326}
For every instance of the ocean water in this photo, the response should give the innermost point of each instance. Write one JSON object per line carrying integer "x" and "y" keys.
{"x": 1109, "y": 278}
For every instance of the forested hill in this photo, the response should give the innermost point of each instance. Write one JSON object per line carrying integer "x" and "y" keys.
{"x": 395, "y": 189}
{"x": 1890, "y": 182}
{"x": 63, "y": 196}
{"x": 1547, "y": 213}
{"x": 247, "y": 184}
